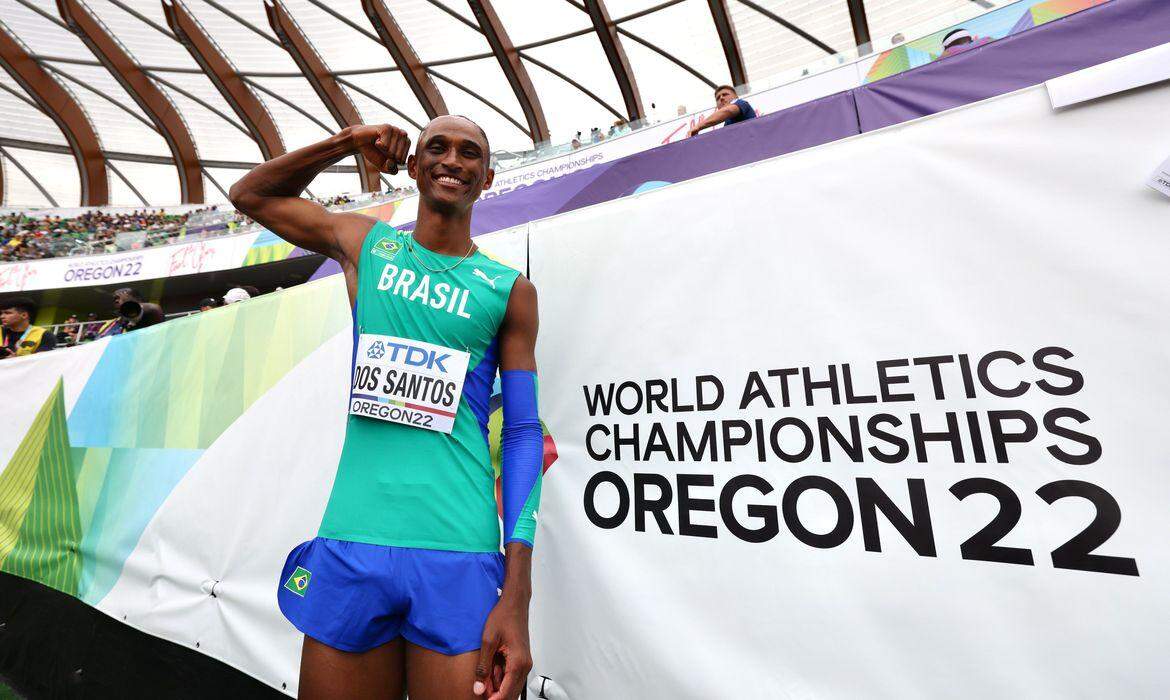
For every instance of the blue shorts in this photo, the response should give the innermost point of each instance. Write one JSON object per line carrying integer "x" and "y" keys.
{"x": 354, "y": 596}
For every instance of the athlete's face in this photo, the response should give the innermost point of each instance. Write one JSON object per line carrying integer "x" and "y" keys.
{"x": 450, "y": 164}
{"x": 724, "y": 97}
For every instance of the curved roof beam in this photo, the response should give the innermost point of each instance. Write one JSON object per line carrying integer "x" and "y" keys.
{"x": 126, "y": 181}
{"x": 668, "y": 56}
{"x": 225, "y": 78}
{"x": 487, "y": 103}
{"x": 586, "y": 91}
{"x": 27, "y": 174}
{"x": 860, "y": 26}
{"x": 527, "y": 57}
{"x": 199, "y": 101}
{"x": 317, "y": 73}
{"x": 405, "y": 58}
{"x": 112, "y": 156}
{"x": 54, "y": 100}
{"x": 612, "y": 45}
{"x": 791, "y": 27}
{"x": 374, "y": 98}
{"x": 142, "y": 89}
{"x": 729, "y": 40}
{"x": 112, "y": 100}
{"x": 509, "y": 59}
{"x": 627, "y": 33}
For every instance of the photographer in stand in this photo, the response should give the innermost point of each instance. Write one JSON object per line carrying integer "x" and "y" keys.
{"x": 133, "y": 312}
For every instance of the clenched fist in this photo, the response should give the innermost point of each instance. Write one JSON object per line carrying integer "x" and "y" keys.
{"x": 382, "y": 145}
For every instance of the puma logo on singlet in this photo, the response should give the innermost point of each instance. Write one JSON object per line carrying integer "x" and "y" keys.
{"x": 483, "y": 276}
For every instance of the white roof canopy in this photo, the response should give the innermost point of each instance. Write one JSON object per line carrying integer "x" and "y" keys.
{"x": 181, "y": 96}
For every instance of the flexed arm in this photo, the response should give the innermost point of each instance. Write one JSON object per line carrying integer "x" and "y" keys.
{"x": 271, "y": 192}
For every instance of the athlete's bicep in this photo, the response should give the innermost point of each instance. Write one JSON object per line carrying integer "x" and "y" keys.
{"x": 518, "y": 331}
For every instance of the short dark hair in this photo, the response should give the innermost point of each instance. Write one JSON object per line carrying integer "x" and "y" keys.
{"x": 20, "y": 304}
{"x": 486, "y": 143}
{"x": 727, "y": 87}
{"x": 130, "y": 292}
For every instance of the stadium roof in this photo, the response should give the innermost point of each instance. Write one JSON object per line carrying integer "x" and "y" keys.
{"x": 159, "y": 101}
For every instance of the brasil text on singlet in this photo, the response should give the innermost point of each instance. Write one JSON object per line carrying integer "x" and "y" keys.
{"x": 415, "y": 469}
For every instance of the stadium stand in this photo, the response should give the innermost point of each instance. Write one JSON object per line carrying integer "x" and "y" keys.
{"x": 832, "y": 98}
{"x": 28, "y": 236}
{"x": 32, "y": 235}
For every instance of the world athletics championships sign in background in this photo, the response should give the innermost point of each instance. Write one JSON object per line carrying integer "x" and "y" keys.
{"x": 882, "y": 418}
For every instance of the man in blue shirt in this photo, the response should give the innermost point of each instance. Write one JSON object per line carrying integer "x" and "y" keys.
{"x": 729, "y": 109}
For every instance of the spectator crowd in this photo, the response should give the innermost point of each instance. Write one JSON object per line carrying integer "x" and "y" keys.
{"x": 27, "y": 236}
{"x": 31, "y": 236}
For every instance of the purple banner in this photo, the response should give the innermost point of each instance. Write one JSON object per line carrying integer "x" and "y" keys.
{"x": 1084, "y": 39}
{"x": 1092, "y": 36}
{"x": 1102, "y": 33}
{"x": 821, "y": 121}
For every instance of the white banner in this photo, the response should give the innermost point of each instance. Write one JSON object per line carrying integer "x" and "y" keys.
{"x": 222, "y": 253}
{"x": 878, "y": 419}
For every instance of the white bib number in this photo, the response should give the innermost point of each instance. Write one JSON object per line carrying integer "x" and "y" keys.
{"x": 407, "y": 381}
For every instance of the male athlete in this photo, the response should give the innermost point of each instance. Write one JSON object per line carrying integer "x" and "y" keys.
{"x": 404, "y": 588}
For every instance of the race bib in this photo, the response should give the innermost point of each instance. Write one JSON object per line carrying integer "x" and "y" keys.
{"x": 407, "y": 381}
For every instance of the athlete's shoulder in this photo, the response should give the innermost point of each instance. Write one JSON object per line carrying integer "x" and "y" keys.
{"x": 495, "y": 263}
{"x": 521, "y": 314}
{"x": 523, "y": 292}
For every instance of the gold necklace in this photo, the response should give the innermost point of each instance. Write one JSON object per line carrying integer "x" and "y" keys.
{"x": 410, "y": 249}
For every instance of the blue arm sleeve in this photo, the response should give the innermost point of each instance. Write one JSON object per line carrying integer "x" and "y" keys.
{"x": 522, "y": 455}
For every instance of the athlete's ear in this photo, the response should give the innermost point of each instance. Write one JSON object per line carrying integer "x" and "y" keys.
{"x": 487, "y": 180}
{"x": 412, "y": 167}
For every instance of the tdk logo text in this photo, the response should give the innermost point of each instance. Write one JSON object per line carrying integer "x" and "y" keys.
{"x": 414, "y": 356}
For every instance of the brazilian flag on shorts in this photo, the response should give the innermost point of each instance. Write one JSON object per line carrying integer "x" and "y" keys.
{"x": 298, "y": 582}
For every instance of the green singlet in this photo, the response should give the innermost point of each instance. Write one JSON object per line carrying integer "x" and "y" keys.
{"x": 408, "y": 486}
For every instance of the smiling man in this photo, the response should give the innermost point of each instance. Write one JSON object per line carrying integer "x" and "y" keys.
{"x": 404, "y": 588}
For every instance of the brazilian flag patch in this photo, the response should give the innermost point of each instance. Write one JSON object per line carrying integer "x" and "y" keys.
{"x": 386, "y": 248}
{"x": 299, "y": 581}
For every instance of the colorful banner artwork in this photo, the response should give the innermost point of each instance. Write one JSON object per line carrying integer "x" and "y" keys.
{"x": 997, "y": 24}
{"x": 217, "y": 432}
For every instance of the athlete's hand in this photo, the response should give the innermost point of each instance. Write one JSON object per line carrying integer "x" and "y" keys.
{"x": 504, "y": 657}
{"x": 383, "y": 146}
